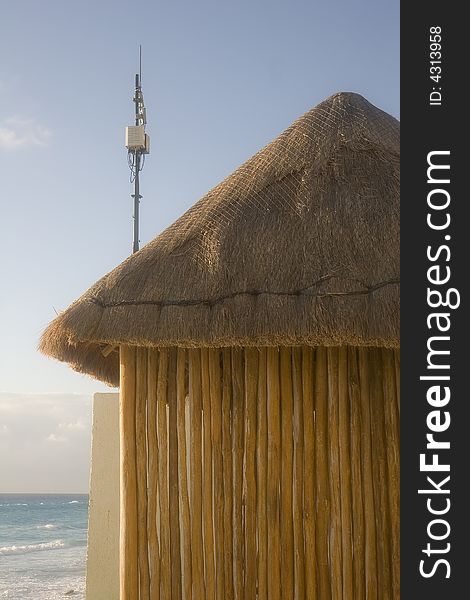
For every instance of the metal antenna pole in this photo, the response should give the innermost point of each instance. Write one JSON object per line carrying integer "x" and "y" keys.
{"x": 138, "y": 145}
{"x": 137, "y": 154}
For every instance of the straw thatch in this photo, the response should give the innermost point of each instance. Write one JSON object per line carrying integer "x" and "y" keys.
{"x": 300, "y": 245}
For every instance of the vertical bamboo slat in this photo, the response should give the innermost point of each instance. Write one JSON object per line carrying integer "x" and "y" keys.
{"x": 128, "y": 520}
{"x": 227, "y": 471}
{"x": 321, "y": 476}
{"x": 237, "y": 454}
{"x": 262, "y": 476}
{"x": 335, "y": 540}
{"x": 141, "y": 455}
{"x": 251, "y": 398}
{"x": 153, "y": 536}
{"x": 380, "y": 471}
{"x": 182, "y": 473}
{"x": 393, "y": 459}
{"x": 298, "y": 486}
{"x": 287, "y": 443}
{"x": 209, "y": 561}
{"x": 175, "y": 545}
{"x": 197, "y": 550}
{"x": 359, "y": 556}
{"x": 310, "y": 468}
{"x": 345, "y": 475}
{"x": 396, "y": 361}
{"x": 216, "y": 433}
{"x": 367, "y": 478}
{"x": 274, "y": 475}
{"x": 163, "y": 497}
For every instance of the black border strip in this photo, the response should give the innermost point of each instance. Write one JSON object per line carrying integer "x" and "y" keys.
{"x": 427, "y": 128}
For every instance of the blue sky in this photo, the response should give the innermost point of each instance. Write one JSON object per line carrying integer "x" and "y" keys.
{"x": 220, "y": 79}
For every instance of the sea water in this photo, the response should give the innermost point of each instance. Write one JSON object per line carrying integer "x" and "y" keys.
{"x": 43, "y": 546}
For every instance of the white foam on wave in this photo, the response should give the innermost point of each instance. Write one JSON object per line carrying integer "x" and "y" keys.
{"x": 55, "y": 545}
{"x": 46, "y": 526}
{"x": 74, "y": 502}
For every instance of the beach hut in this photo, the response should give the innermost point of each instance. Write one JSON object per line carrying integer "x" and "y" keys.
{"x": 255, "y": 343}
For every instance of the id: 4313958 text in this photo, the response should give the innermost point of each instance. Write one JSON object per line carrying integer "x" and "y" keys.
{"x": 435, "y": 65}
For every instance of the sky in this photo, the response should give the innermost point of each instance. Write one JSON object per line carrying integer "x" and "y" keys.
{"x": 220, "y": 80}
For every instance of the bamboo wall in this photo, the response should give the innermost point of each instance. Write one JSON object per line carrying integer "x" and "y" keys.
{"x": 259, "y": 474}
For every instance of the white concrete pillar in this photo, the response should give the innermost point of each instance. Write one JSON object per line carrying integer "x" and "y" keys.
{"x": 102, "y": 574}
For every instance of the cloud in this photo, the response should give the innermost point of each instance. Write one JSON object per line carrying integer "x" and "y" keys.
{"x": 16, "y": 133}
{"x": 44, "y": 442}
{"x": 52, "y": 437}
{"x": 76, "y": 426}
{"x": 62, "y": 428}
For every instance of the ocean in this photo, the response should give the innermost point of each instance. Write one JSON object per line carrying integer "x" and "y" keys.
{"x": 43, "y": 546}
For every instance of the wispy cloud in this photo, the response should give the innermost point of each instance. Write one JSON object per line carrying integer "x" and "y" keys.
{"x": 53, "y": 437}
{"x": 44, "y": 442}
{"x": 16, "y": 133}
{"x": 75, "y": 426}
{"x": 66, "y": 428}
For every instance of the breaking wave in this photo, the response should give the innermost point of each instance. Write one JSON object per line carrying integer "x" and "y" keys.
{"x": 55, "y": 545}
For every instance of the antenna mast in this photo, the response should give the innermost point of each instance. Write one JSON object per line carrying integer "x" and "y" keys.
{"x": 138, "y": 145}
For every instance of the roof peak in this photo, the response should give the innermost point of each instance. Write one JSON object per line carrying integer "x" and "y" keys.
{"x": 346, "y": 96}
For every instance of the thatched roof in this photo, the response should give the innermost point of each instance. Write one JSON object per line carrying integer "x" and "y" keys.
{"x": 300, "y": 245}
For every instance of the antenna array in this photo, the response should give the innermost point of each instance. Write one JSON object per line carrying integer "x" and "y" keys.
{"x": 138, "y": 145}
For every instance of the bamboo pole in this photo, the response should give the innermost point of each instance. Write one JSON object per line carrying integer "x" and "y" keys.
{"x": 392, "y": 437}
{"x": 287, "y": 445}
{"x": 396, "y": 357}
{"x": 209, "y": 560}
{"x": 345, "y": 474}
{"x": 128, "y": 568}
{"x": 334, "y": 468}
{"x": 216, "y": 432}
{"x": 367, "y": 478}
{"x": 356, "y": 429}
{"x": 310, "y": 469}
{"x": 153, "y": 537}
{"x": 322, "y": 477}
{"x": 380, "y": 474}
{"x": 183, "y": 473}
{"x": 298, "y": 486}
{"x": 175, "y": 544}
{"x": 274, "y": 475}
{"x": 251, "y": 399}
{"x": 227, "y": 471}
{"x": 197, "y": 564}
{"x": 237, "y": 455}
{"x": 141, "y": 443}
{"x": 261, "y": 473}
{"x": 163, "y": 498}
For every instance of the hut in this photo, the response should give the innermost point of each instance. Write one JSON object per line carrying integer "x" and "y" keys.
{"x": 255, "y": 342}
